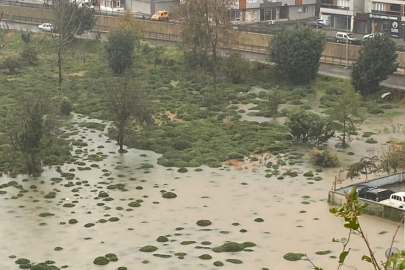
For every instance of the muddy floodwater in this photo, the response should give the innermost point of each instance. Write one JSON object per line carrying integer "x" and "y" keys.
{"x": 294, "y": 212}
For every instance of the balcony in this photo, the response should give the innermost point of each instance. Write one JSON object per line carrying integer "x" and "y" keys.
{"x": 333, "y": 7}
{"x": 270, "y": 4}
{"x": 393, "y": 13}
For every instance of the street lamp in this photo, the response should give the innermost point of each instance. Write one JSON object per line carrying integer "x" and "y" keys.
{"x": 347, "y": 36}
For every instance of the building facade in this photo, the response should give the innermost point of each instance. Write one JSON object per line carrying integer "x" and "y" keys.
{"x": 251, "y": 11}
{"x": 341, "y": 13}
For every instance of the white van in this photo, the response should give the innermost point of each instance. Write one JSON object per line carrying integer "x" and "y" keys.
{"x": 346, "y": 37}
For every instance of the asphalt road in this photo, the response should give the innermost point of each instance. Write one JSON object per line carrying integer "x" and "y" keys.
{"x": 394, "y": 81}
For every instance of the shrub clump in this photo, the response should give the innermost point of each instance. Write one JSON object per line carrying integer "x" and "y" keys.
{"x": 323, "y": 158}
{"x": 101, "y": 261}
{"x": 233, "y": 247}
{"x": 162, "y": 239}
{"x": 205, "y": 257}
{"x": 169, "y": 195}
{"x": 290, "y": 256}
{"x": 148, "y": 249}
{"x": 204, "y": 223}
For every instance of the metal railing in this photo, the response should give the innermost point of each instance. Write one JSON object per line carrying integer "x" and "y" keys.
{"x": 23, "y": 4}
{"x": 393, "y": 13}
{"x": 333, "y": 7}
{"x": 26, "y": 19}
{"x": 138, "y": 15}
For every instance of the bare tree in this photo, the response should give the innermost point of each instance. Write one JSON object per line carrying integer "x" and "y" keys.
{"x": 205, "y": 29}
{"x": 126, "y": 103}
{"x": 70, "y": 20}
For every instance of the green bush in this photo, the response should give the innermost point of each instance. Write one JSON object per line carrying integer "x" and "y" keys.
{"x": 11, "y": 64}
{"x": 29, "y": 57}
{"x": 323, "y": 158}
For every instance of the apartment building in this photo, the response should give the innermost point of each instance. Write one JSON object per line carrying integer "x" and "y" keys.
{"x": 251, "y": 11}
{"x": 366, "y": 16}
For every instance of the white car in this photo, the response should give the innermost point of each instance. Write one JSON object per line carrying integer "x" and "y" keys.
{"x": 47, "y": 27}
{"x": 368, "y": 36}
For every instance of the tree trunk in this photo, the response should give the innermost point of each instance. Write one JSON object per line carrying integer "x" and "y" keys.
{"x": 60, "y": 70}
{"x": 344, "y": 134}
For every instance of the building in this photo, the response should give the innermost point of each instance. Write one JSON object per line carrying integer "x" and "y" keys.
{"x": 112, "y": 5}
{"x": 251, "y": 11}
{"x": 342, "y": 14}
{"x": 386, "y": 16}
{"x": 149, "y": 7}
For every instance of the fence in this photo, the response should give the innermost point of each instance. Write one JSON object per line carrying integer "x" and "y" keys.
{"x": 23, "y": 4}
{"x": 12, "y": 18}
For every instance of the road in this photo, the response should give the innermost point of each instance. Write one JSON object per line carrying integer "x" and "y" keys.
{"x": 394, "y": 81}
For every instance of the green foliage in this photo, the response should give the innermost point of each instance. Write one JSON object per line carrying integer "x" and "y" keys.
{"x": 309, "y": 127}
{"x": 29, "y": 56}
{"x": 70, "y": 19}
{"x": 323, "y": 158}
{"x": 376, "y": 61}
{"x": 236, "y": 68}
{"x": 275, "y": 99}
{"x": 65, "y": 107}
{"x": 11, "y": 64}
{"x": 296, "y": 53}
{"x": 26, "y": 36}
{"x": 120, "y": 48}
{"x": 345, "y": 113}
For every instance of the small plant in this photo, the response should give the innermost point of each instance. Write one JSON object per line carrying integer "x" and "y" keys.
{"x": 11, "y": 64}
{"x": 26, "y": 36}
{"x": 323, "y": 158}
{"x": 29, "y": 56}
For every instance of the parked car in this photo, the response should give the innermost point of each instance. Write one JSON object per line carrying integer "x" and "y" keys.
{"x": 368, "y": 36}
{"x": 375, "y": 194}
{"x": 47, "y": 27}
{"x": 346, "y": 37}
{"x": 314, "y": 24}
{"x": 396, "y": 200}
{"x": 160, "y": 15}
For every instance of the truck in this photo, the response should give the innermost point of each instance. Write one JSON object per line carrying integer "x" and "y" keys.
{"x": 396, "y": 200}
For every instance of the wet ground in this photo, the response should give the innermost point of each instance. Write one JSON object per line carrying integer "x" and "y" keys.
{"x": 294, "y": 211}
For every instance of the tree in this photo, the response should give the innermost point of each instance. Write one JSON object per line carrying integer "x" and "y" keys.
{"x": 375, "y": 63}
{"x": 236, "y": 68}
{"x": 345, "y": 113}
{"x": 125, "y": 103}
{"x": 309, "y": 127}
{"x": 275, "y": 99}
{"x": 70, "y": 20}
{"x": 29, "y": 130}
{"x": 296, "y": 53}
{"x": 366, "y": 165}
{"x": 205, "y": 28}
{"x": 120, "y": 48}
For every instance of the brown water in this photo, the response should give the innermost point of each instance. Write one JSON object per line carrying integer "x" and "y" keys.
{"x": 214, "y": 194}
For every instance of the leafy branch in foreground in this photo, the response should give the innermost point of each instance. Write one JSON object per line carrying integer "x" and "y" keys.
{"x": 350, "y": 211}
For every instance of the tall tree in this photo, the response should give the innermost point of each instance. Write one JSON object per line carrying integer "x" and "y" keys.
{"x": 29, "y": 130}
{"x": 377, "y": 60}
{"x": 345, "y": 113}
{"x": 126, "y": 103}
{"x": 296, "y": 53}
{"x": 70, "y": 20}
{"x": 120, "y": 47}
{"x": 206, "y": 28}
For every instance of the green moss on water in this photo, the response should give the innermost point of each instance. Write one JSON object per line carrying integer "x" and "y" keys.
{"x": 162, "y": 239}
{"x": 233, "y": 247}
{"x": 148, "y": 248}
{"x": 22, "y": 261}
{"x": 111, "y": 257}
{"x": 46, "y": 214}
{"x": 185, "y": 243}
{"x": 169, "y": 195}
{"x": 324, "y": 252}
{"x": 134, "y": 204}
{"x": 259, "y": 220}
{"x": 218, "y": 263}
{"x": 234, "y": 261}
{"x": 101, "y": 260}
{"x": 205, "y": 257}
{"x": 290, "y": 256}
{"x": 204, "y": 223}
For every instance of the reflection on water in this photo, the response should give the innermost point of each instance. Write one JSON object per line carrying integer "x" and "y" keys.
{"x": 214, "y": 194}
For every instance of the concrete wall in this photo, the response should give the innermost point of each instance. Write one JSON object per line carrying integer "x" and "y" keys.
{"x": 293, "y": 13}
{"x": 373, "y": 208}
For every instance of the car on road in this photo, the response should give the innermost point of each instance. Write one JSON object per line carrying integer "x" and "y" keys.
{"x": 346, "y": 37}
{"x": 47, "y": 27}
{"x": 314, "y": 24}
{"x": 375, "y": 194}
{"x": 160, "y": 15}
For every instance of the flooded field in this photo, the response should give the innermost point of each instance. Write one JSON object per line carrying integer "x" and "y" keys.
{"x": 81, "y": 211}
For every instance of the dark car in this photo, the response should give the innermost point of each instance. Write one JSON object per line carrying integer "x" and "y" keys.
{"x": 375, "y": 194}
{"x": 314, "y": 24}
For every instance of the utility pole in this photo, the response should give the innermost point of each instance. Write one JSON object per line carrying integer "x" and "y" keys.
{"x": 347, "y": 37}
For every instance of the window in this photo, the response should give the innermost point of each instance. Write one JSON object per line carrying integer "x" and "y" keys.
{"x": 251, "y": 1}
{"x": 343, "y": 3}
{"x": 395, "y": 7}
{"x": 304, "y": 8}
{"x": 118, "y": 3}
{"x": 235, "y": 15}
{"x": 379, "y": 6}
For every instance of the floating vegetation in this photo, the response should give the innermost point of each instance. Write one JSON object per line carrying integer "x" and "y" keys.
{"x": 233, "y": 247}
{"x": 290, "y": 256}
{"x": 148, "y": 249}
{"x": 204, "y": 223}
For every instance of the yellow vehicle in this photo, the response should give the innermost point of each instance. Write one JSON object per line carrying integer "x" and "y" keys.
{"x": 160, "y": 15}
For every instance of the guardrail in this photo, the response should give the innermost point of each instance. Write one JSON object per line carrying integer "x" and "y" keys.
{"x": 23, "y": 4}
